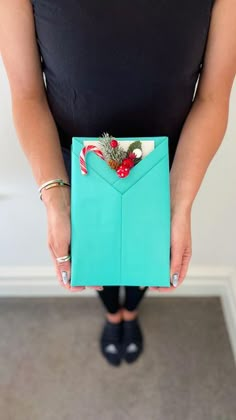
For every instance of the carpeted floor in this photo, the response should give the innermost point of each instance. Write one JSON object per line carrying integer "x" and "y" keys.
{"x": 51, "y": 368}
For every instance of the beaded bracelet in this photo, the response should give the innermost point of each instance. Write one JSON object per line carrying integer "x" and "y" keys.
{"x": 50, "y": 184}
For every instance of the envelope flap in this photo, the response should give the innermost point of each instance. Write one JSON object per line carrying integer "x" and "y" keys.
{"x": 101, "y": 167}
{"x": 142, "y": 168}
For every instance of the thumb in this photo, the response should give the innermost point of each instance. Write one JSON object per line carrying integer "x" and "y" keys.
{"x": 175, "y": 264}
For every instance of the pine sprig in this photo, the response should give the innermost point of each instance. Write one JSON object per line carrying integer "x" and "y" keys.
{"x": 111, "y": 153}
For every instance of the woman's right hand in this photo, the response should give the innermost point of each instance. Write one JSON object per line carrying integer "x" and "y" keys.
{"x": 57, "y": 201}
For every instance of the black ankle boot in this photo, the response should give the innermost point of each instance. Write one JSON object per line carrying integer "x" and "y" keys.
{"x": 111, "y": 342}
{"x": 132, "y": 342}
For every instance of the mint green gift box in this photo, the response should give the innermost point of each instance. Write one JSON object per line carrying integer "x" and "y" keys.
{"x": 120, "y": 227}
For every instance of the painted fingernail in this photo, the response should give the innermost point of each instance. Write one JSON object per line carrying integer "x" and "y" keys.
{"x": 175, "y": 279}
{"x": 64, "y": 277}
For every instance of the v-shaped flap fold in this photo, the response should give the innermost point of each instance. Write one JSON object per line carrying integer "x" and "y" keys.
{"x": 95, "y": 163}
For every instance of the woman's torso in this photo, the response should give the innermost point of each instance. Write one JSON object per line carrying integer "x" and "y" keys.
{"x": 127, "y": 67}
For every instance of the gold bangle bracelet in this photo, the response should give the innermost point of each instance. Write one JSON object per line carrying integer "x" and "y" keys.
{"x": 59, "y": 180}
{"x": 51, "y": 186}
{"x": 52, "y": 183}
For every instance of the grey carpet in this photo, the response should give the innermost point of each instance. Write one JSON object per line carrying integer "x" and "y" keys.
{"x": 51, "y": 368}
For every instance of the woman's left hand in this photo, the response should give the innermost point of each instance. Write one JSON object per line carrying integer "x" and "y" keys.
{"x": 181, "y": 246}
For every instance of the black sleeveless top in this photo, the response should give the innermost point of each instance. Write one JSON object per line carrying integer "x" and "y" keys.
{"x": 127, "y": 67}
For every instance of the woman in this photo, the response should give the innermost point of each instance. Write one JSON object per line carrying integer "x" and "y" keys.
{"x": 130, "y": 69}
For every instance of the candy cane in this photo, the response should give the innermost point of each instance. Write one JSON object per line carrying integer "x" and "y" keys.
{"x": 83, "y": 152}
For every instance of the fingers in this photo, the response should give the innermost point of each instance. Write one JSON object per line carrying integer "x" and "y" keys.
{"x": 185, "y": 263}
{"x": 59, "y": 238}
{"x": 180, "y": 252}
{"x": 175, "y": 269}
{"x": 63, "y": 269}
{"x": 179, "y": 266}
{"x": 177, "y": 251}
{"x": 180, "y": 258}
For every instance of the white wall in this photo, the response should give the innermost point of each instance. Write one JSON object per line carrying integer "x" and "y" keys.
{"x": 23, "y": 235}
{"x": 23, "y": 230}
{"x": 214, "y": 209}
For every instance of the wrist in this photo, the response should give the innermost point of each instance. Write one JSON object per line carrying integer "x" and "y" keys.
{"x": 58, "y": 196}
{"x": 181, "y": 206}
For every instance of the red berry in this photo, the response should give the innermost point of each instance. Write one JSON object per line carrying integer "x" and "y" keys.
{"x": 132, "y": 155}
{"x": 123, "y": 171}
{"x": 126, "y": 170}
{"x": 128, "y": 162}
{"x": 113, "y": 143}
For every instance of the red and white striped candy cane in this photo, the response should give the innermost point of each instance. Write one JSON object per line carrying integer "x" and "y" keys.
{"x": 86, "y": 149}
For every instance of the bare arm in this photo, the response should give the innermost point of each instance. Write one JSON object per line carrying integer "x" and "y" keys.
{"x": 206, "y": 123}
{"x": 33, "y": 120}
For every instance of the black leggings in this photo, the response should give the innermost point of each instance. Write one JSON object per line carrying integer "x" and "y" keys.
{"x": 110, "y": 297}
{"x": 110, "y": 294}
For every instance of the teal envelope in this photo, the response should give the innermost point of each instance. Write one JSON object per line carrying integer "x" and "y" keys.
{"x": 120, "y": 227}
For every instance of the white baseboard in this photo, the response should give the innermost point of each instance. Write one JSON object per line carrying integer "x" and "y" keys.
{"x": 200, "y": 281}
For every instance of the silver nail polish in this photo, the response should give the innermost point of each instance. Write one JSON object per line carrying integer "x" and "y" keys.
{"x": 175, "y": 279}
{"x": 64, "y": 277}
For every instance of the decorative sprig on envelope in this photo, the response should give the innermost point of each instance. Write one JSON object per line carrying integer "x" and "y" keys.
{"x": 117, "y": 157}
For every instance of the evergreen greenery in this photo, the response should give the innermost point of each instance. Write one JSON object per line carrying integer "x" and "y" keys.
{"x": 111, "y": 153}
{"x": 135, "y": 145}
